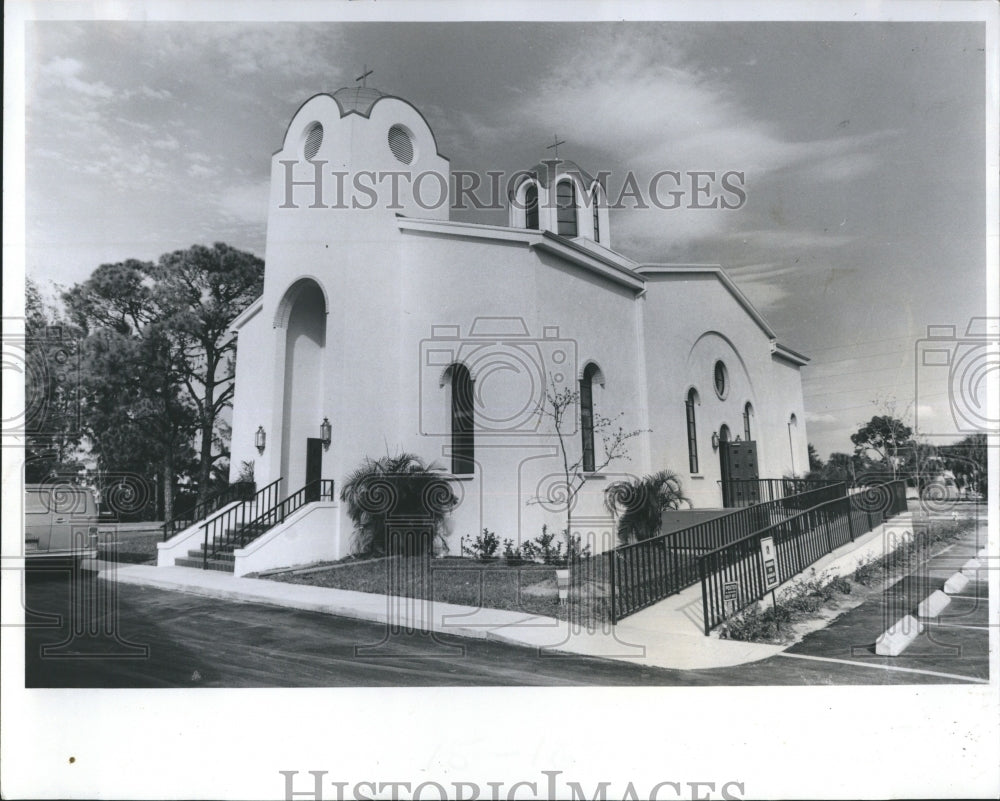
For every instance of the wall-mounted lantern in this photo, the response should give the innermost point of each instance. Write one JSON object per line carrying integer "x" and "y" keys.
{"x": 715, "y": 440}
{"x": 259, "y": 439}
{"x": 325, "y": 432}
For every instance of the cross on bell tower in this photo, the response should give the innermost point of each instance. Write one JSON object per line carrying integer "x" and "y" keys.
{"x": 556, "y": 141}
{"x": 363, "y": 77}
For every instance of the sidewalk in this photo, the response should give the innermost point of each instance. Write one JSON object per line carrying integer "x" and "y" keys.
{"x": 668, "y": 634}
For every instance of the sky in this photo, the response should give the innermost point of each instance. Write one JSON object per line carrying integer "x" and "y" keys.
{"x": 862, "y": 145}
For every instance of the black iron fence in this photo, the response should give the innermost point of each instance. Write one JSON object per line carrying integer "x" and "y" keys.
{"x": 733, "y": 575}
{"x": 748, "y": 492}
{"x": 645, "y": 572}
{"x": 223, "y": 535}
{"x": 239, "y": 491}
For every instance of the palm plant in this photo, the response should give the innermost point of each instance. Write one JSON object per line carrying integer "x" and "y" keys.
{"x": 639, "y": 503}
{"x": 395, "y": 488}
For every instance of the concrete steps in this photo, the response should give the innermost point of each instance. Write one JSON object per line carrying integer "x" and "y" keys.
{"x": 223, "y": 559}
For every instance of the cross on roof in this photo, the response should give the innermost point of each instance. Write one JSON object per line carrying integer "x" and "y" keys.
{"x": 556, "y": 141}
{"x": 363, "y": 77}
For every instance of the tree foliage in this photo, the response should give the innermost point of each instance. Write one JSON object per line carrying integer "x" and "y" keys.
{"x": 158, "y": 359}
{"x": 886, "y": 435}
{"x": 52, "y": 424}
{"x": 967, "y": 460}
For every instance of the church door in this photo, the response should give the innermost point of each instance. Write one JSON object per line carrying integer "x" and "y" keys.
{"x": 314, "y": 467}
{"x": 739, "y": 473}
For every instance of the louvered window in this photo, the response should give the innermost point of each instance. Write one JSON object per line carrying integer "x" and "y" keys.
{"x": 400, "y": 144}
{"x": 314, "y": 138}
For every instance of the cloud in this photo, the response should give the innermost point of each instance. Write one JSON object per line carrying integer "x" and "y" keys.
{"x": 820, "y": 417}
{"x": 65, "y": 72}
{"x": 246, "y": 203}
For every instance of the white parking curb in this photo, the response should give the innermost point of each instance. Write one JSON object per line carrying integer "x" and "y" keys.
{"x": 895, "y": 639}
{"x": 933, "y": 605}
{"x": 971, "y": 568}
{"x": 957, "y": 583}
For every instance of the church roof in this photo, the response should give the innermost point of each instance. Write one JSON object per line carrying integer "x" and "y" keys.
{"x": 359, "y": 99}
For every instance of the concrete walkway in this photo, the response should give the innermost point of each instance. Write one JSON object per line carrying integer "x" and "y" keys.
{"x": 668, "y": 634}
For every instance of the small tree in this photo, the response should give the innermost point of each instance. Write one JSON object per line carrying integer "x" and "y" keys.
{"x": 642, "y": 502}
{"x": 559, "y": 406}
{"x": 886, "y": 435}
{"x": 394, "y": 487}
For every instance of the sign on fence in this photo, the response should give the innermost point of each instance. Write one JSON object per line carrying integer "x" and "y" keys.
{"x": 730, "y": 596}
{"x": 769, "y": 557}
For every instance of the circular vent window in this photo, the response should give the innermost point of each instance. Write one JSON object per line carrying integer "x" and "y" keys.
{"x": 314, "y": 138}
{"x": 401, "y": 144}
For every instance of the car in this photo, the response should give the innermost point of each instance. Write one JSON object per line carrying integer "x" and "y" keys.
{"x": 60, "y": 523}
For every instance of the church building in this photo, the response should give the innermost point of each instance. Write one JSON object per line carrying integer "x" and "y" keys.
{"x": 385, "y": 326}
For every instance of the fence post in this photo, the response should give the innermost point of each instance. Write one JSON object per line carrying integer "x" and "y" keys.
{"x": 704, "y": 594}
{"x": 850, "y": 520}
{"x": 826, "y": 521}
{"x": 612, "y": 560}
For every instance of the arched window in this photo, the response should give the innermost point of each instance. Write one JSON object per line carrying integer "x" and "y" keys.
{"x": 587, "y": 416}
{"x": 747, "y": 414}
{"x": 531, "y": 206}
{"x": 597, "y": 223}
{"x": 462, "y": 422}
{"x": 566, "y": 209}
{"x": 692, "y": 434}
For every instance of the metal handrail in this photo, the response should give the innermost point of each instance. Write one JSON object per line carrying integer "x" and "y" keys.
{"x": 238, "y": 491}
{"x": 277, "y": 512}
{"x": 741, "y": 492}
{"x": 799, "y": 541}
{"x": 238, "y": 514}
{"x": 647, "y": 571}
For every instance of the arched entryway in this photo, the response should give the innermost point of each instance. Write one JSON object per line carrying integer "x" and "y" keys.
{"x": 303, "y": 315}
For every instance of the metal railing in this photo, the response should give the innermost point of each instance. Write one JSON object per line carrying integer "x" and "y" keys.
{"x": 748, "y": 492}
{"x": 799, "y": 540}
{"x": 239, "y": 491}
{"x": 241, "y": 514}
{"x": 223, "y": 539}
{"x": 645, "y": 572}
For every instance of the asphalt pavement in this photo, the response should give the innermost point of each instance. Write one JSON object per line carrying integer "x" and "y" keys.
{"x": 92, "y": 633}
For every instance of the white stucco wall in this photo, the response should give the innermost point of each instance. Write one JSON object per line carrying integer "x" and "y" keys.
{"x": 401, "y": 304}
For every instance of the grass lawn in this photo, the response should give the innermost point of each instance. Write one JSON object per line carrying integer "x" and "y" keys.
{"x": 133, "y": 547}
{"x": 492, "y": 584}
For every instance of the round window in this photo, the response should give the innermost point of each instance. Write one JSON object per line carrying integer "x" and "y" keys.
{"x": 314, "y": 138}
{"x": 401, "y": 144}
{"x": 721, "y": 380}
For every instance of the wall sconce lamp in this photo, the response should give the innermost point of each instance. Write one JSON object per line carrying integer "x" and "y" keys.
{"x": 259, "y": 439}
{"x": 715, "y": 441}
{"x": 325, "y": 432}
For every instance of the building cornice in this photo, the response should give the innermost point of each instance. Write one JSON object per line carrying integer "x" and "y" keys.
{"x": 779, "y": 350}
{"x": 609, "y": 265}
{"x": 244, "y": 316}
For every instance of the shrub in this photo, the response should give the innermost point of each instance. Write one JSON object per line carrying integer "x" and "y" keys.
{"x": 512, "y": 554}
{"x": 395, "y": 487}
{"x": 483, "y": 547}
{"x": 542, "y": 549}
{"x": 641, "y": 503}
